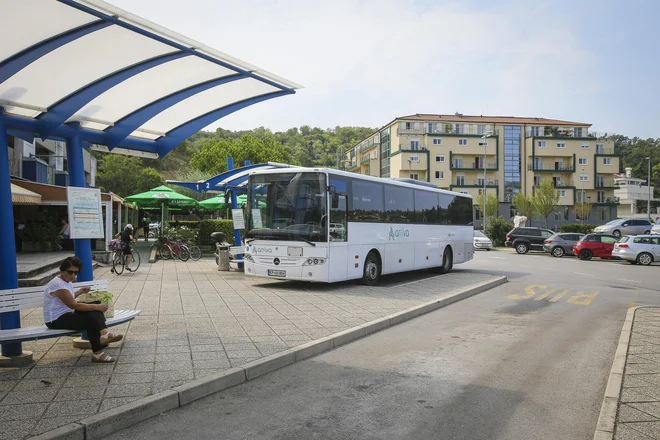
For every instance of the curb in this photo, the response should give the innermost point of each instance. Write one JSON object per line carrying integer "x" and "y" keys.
{"x": 608, "y": 410}
{"x": 105, "y": 423}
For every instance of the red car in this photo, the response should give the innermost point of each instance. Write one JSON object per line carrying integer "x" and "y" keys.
{"x": 595, "y": 245}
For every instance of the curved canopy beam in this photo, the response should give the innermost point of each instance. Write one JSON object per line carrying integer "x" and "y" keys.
{"x": 59, "y": 113}
{"x": 179, "y": 134}
{"x": 16, "y": 63}
{"x": 128, "y": 124}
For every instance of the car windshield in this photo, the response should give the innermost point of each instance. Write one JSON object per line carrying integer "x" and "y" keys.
{"x": 479, "y": 234}
{"x": 288, "y": 206}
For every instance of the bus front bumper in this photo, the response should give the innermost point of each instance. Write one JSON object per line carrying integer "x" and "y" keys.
{"x": 313, "y": 273}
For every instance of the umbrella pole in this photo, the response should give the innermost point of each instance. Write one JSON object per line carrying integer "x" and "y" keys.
{"x": 162, "y": 219}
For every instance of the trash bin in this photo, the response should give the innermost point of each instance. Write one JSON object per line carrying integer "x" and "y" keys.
{"x": 223, "y": 258}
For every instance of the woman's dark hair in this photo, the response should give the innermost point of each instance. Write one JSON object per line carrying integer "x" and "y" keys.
{"x": 69, "y": 262}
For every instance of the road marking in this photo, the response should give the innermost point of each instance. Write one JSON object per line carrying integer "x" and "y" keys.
{"x": 585, "y": 274}
{"x": 498, "y": 258}
{"x": 632, "y": 304}
{"x": 630, "y": 281}
{"x": 578, "y": 298}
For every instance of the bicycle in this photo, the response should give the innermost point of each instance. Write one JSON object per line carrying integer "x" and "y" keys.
{"x": 176, "y": 249}
{"x": 195, "y": 251}
{"x": 119, "y": 259}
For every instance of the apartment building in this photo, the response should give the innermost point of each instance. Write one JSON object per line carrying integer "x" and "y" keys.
{"x": 508, "y": 154}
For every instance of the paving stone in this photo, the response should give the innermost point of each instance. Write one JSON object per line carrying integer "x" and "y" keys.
{"x": 629, "y": 414}
{"x": 131, "y": 378}
{"x": 73, "y": 407}
{"x": 211, "y": 363}
{"x": 652, "y": 408}
{"x": 117, "y": 401}
{"x": 80, "y": 393}
{"x": 182, "y": 375}
{"x": 125, "y": 390}
{"x": 29, "y": 396}
{"x": 39, "y": 384}
{"x": 649, "y": 429}
{"x": 634, "y": 395}
{"x": 171, "y": 366}
{"x": 49, "y": 423}
{"x": 15, "y": 429}
{"x": 29, "y": 411}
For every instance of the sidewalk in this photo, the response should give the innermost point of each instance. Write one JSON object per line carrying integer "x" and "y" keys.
{"x": 196, "y": 321}
{"x": 638, "y": 415}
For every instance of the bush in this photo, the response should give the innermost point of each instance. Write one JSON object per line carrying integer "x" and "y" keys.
{"x": 206, "y": 227}
{"x": 496, "y": 230}
{"x": 578, "y": 229}
{"x": 192, "y": 224}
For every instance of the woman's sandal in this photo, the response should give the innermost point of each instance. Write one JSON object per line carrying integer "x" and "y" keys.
{"x": 102, "y": 358}
{"x": 109, "y": 338}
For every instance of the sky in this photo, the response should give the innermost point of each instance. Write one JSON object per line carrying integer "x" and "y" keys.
{"x": 365, "y": 62}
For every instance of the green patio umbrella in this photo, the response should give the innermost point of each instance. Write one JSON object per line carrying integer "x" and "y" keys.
{"x": 162, "y": 197}
{"x": 217, "y": 203}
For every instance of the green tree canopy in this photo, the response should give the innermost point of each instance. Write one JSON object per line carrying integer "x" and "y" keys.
{"x": 492, "y": 204}
{"x": 545, "y": 199}
{"x": 524, "y": 205}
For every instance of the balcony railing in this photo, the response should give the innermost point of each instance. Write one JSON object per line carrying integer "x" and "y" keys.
{"x": 369, "y": 146}
{"x": 408, "y": 147}
{"x": 490, "y": 166}
{"x": 554, "y": 132}
{"x": 475, "y": 182}
{"x": 606, "y": 183}
{"x": 449, "y": 129}
{"x": 559, "y": 168}
{"x": 608, "y": 200}
{"x": 604, "y": 150}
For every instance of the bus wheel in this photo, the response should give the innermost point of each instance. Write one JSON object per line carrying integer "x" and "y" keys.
{"x": 447, "y": 261}
{"x": 371, "y": 273}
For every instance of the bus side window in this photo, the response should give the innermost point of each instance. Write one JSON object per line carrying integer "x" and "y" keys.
{"x": 338, "y": 227}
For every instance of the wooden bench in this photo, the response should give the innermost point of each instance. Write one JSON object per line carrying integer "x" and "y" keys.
{"x": 32, "y": 297}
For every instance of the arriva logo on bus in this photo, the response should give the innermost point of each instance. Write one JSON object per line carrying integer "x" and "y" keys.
{"x": 397, "y": 233}
{"x": 259, "y": 250}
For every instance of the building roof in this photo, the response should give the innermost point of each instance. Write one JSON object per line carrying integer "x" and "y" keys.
{"x": 490, "y": 119}
{"x": 87, "y": 67}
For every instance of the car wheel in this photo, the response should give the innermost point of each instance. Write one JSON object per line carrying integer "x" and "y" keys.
{"x": 522, "y": 248}
{"x": 647, "y": 232}
{"x": 558, "y": 251}
{"x": 371, "y": 273}
{"x": 488, "y": 249}
{"x": 585, "y": 254}
{"x": 644, "y": 258}
{"x": 617, "y": 233}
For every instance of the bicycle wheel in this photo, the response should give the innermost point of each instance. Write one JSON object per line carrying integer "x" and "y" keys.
{"x": 118, "y": 263}
{"x": 184, "y": 253}
{"x": 135, "y": 261}
{"x": 176, "y": 251}
{"x": 195, "y": 253}
{"x": 165, "y": 252}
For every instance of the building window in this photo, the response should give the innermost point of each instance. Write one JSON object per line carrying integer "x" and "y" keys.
{"x": 604, "y": 214}
{"x": 607, "y": 161}
{"x": 562, "y": 193}
{"x": 439, "y": 174}
{"x": 385, "y": 153}
{"x": 584, "y": 177}
{"x": 462, "y": 142}
{"x": 561, "y": 144}
{"x": 411, "y": 125}
{"x": 585, "y": 145}
{"x": 577, "y": 132}
{"x": 542, "y": 144}
{"x": 482, "y": 129}
{"x": 600, "y": 196}
{"x": 460, "y": 180}
{"x": 561, "y": 213}
{"x": 414, "y": 176}
{"x": 414, "y": 145}
{"x": 535, "y": 131}
{"x": 600, "y": 148}
{"x": 440, "y": 158}
{"x": 537, "y": 180}
{"x": 437, "y": 141}
{"x": 583, "y": 161}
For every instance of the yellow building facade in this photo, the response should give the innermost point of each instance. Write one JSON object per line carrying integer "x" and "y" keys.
{"x": 507, "y": 154}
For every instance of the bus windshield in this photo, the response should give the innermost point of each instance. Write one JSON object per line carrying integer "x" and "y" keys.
{"x": 287, "y": 206}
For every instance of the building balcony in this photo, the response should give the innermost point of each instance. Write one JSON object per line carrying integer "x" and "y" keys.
{"x": 606, "y": 184}
{"x": 557, "y": 133}
{"x": 551, "y": 168}
{"x": 470, "y": 166}
{"x": 449, "y": 130}
{"x": 476, "y": 183}
{"x": 607, "y": 201}
{"x": 604, "y": 150}
{"x": 408, "y": 147}
{"x": 369, "y": 147}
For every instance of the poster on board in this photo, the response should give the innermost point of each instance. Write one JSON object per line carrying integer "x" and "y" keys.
{"x": 237, "y": 216}
{"x": 85, "y": 214}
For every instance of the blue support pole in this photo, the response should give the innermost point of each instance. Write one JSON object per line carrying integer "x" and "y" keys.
{"x": 83, "y": 247}
{"x": 8, "y": 271}
{"x": 234, "y": 204}
{"x": 248, "y": 163}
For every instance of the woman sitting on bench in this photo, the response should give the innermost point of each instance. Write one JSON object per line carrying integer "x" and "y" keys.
{"x": 61, "y": 311}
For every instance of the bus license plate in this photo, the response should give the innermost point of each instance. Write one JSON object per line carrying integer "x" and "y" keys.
{"x": 276, "y": 273}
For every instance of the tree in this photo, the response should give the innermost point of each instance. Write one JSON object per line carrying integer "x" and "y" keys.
{"x": 582, "y": 210}
{"x": 492, "y": 204}
{"x": 524, "y": 205}
{"x": 147, "y": 179}
{"x": 545, "y": 199}
{"x": 118, "y": 174}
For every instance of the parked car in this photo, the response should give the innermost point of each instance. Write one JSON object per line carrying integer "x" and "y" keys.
{"x": 480, "y": 241}
{"x": 526, "y": 238}
{"x": 625, "y": 226}
{"x": 656, "y": 228}
{"x": 640, "y": 249}
{"x": 561, "y": 244}
{"x": 595, "y": 245}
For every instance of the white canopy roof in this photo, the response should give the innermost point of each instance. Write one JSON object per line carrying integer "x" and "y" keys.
{"x": 86, "y": 61}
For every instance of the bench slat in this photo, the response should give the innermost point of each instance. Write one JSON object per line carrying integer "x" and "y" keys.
{"x": 43, "y": 332}
{"x": 95, "y": 285}
{"x": 21, "y": 306}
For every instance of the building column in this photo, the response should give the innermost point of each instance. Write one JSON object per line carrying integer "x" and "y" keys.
{"x": 234, "y": 204}
{"x": 118, "y": 217}
{"x": 83, "y": 247}
{"x": 108, "y": 223}
{"x": 8, "y": 271}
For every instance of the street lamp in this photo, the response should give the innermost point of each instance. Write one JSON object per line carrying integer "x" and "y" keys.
{"x": 485, "y": 142}
{"x": 582, "y": 199}
{"x": 648, "y": 202}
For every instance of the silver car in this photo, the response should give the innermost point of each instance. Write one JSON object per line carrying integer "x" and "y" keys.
{"x": 561, "y": 244}
{"x": 656, "y": 228}
{"x": 625, "y": 226}
{"x": 640, "y": 249}
{"x": 481, "y": 241}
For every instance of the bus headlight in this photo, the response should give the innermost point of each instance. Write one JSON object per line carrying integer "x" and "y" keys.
{"x": 314, "y": 261}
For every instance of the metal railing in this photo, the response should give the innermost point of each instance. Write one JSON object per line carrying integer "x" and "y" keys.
{"x": 408, "y": 147}
{"x": 450, "y": 129}
{"x": 475, "y": 182}
{"x": 604, "y": 150}
{"x": 558, "y": 167}
{"x": 555, "y": 132}
{"x": 472, "y": 166}
{"x": 606, "y": 183}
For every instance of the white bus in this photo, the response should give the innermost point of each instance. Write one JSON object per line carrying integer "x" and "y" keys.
{"x": 325, "y": 225}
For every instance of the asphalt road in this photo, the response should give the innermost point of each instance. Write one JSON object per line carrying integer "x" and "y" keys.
{"x": 526, "y": 360}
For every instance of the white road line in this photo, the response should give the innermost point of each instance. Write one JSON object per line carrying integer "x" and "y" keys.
{"x": 585, "y": 274}
{"x": 630, "y": 281}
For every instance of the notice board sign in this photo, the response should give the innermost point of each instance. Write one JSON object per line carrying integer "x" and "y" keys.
{"x": 85, "y": 214}
{"x": 237, "y": 216}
